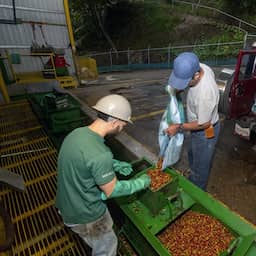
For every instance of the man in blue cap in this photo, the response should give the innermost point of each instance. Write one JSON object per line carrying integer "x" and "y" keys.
{"x": 202, "y": 113}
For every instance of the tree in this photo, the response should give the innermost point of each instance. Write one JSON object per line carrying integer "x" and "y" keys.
{"x": 90, "y": 16}
{"x": 240, "y": 7}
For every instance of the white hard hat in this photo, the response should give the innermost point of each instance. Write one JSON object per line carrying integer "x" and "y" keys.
{"x": 116, "y": 106}
{"x": 254, "y": 44}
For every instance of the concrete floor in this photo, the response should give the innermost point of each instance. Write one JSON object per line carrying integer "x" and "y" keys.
{"x": 232, "y": 178}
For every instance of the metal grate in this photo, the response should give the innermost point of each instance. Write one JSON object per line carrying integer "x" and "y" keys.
{"x": 25, "y": 149}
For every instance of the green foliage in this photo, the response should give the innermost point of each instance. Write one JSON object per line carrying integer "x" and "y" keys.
{"x": 142, "y": 24}
{"x": 240, "y": 7}
{"x": 89, "y": 19}
{"x": 221, "y": 50}
{"x": 138, "y": 25}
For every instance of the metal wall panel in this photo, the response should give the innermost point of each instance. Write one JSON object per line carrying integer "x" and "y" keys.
{"x": 19, "y": 38}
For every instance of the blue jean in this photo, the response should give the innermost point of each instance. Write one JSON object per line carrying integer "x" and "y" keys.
{"x": 99, "y": 235}
{"x": 200, "y": 155}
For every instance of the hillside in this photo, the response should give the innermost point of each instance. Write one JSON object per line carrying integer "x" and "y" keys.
{"x": 140, "y": 25}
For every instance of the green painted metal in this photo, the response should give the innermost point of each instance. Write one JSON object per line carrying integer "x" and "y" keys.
{"x": 155, "y": 202}
{"x": 15, "y": 58}
{"x": 143, "y": 222}
{"x": 61, "y": 114}
{"x": 157, "y": 209}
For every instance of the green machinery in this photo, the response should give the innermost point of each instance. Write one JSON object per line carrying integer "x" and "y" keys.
{"x": 146, "y": 214}
{"x": 141, "y": 217}
{"x": 58, "y": 111}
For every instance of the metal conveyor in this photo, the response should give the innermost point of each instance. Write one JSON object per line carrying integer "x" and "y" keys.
{"x": 26, "y": 150}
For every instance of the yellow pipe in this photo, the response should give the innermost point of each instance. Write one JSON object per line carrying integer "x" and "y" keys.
{"x": 53, "y": 66}
{"x": 10, "y": 65}
{"x": 4, "y": 89}
{"x": 71, "y": 34}
{"x": 69, "y": 24}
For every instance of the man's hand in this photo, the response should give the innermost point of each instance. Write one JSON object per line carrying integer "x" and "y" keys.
{"x": 172, "y": 129}
{"x": 121, "y": 167}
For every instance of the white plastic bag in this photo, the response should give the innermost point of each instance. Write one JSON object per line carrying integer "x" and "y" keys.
{"x": 170, "y": 146}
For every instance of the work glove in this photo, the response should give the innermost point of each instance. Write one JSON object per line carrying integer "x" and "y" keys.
{"x": 128, "y": 187}
{"x": 121, "y": 167}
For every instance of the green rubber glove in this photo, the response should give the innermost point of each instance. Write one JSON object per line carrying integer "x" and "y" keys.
{"x": 128, "y": 187}
{"x": 121, "y": 167}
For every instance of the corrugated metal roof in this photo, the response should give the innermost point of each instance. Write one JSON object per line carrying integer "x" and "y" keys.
{"x": 52, "y": 11}
{"x": 52, "y": 29}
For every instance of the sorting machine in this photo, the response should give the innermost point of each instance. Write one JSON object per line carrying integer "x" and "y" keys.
{"x": 147, "y": 214}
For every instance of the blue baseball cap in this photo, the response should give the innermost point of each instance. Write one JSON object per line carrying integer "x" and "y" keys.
{"x": 185, "y": 66}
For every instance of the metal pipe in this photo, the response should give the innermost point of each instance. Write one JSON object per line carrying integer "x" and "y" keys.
{"x": 43, "y": 23}
{"x": 14, "y": 11}
{"x": 24, "y": 152}
{"x": 30, "y": 9}
{"x": 15, "y": 46}
{"x": 70, "y": 33}
{"x": 69, "y": 24}
{"x": 27, "y": 46}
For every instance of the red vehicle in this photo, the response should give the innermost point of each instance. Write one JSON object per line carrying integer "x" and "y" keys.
{"x": 238, "y": 87}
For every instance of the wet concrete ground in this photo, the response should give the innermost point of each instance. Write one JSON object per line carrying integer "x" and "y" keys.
{"x": 233, "y": 175}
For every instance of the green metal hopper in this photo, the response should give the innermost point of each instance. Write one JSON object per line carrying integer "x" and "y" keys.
{"x": 147, "y": 214}
{"x": 60, "y": 112}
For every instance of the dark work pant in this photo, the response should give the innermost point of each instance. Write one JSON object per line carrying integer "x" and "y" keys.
{"x": 200, "y": 155}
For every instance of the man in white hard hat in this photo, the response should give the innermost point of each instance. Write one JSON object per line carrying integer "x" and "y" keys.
{"x": 86, "y": 176}
{"x": 202, "y": 113}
